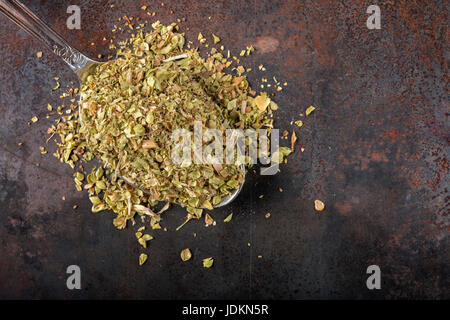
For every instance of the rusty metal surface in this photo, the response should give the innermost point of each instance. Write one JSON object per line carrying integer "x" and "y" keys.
{"x": 376, "y": 152}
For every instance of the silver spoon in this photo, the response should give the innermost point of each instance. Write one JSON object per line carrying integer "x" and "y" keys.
{"x": 81, "y": 65}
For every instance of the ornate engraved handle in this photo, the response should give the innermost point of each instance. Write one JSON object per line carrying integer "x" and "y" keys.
{"x": 28, "y": 21}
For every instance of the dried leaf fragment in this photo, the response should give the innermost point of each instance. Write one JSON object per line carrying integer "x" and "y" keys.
{"x": 147, "y": 237}
{"x": 309, "y": 110}
{"x": 120, "y": 222}
{"x": 185, "y": 254}
{"x": 207, "y": 205}
{"x": 299, "y": 123}
{"x": 79, "y": 176}
{"x": 262, "y": 101}
{"x": 95, "y": 200}
{"x": 209, "y": 220}
{"x": 228, "y": 218}
{"x": 293, "y": 139}
{"x": 166, "y": 206}
{"x": 143, "y": 209}
{"x": 279, "y": 154}
{"x": 208, "y": 262}
{"x": 319, "y": 205}
{"x": 149, "y": 144}
{"x": 216, "y": 38}
{"x": 240, "y": 69}
{"x": 142, "y": 258}
{"x": 142, "y": 239}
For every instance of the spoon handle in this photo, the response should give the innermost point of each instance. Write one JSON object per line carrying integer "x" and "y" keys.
{"x": 29, "y": 22}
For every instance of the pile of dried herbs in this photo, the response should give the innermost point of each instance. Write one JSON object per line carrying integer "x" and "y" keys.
{"x": 129, "y": 108}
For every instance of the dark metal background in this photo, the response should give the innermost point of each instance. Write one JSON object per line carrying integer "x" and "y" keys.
{"x": 376, "y": 152}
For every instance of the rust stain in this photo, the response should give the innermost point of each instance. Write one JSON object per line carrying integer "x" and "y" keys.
{"x": 266, "y": 44}
{"x": 343, "y": 207}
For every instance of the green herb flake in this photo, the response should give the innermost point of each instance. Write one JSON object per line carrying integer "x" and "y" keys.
{"x": 142, "y": 258}
{"x": 228, "y": 218}
{"x": 208, "y": 262}
{"x": 309, "y": 110}
{"x": 216, "y": 38}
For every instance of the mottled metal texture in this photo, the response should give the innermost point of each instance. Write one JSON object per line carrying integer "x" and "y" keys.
{"x": 375, "y": 151}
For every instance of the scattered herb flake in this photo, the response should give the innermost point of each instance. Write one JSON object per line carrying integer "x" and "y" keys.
{"x": 309, "y": 110}
{"x": 299, "y": 123}
{"x": 208, "y": 262}
{"x": 216, "y": 38}
{"x": 142, "y": 259}
{"x": 209, "y": 220}
{"x": 319, "y": 205}
{"x": 228, "y": 218}
{"x": 186, "y": 254}
{"x": 293, "y": 139}
{"x": 262, "y": 101}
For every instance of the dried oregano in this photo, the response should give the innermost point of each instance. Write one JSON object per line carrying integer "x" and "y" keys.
{"x": 129, "y": 108}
